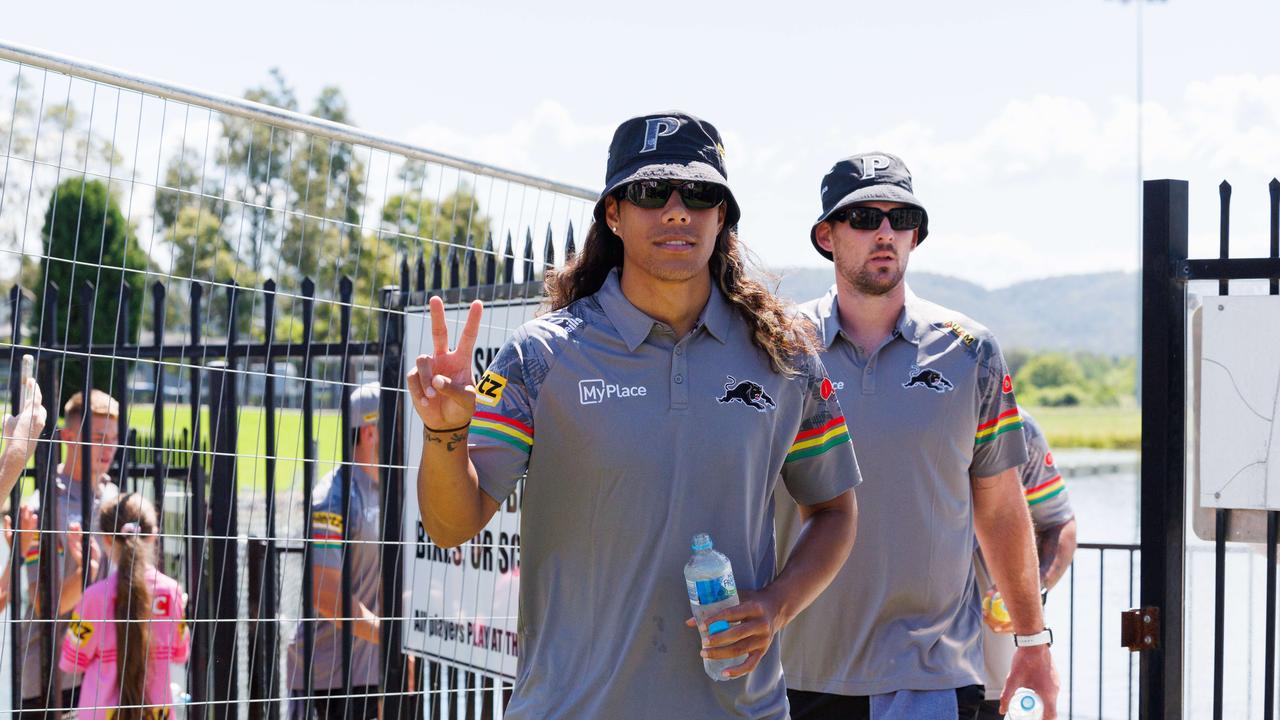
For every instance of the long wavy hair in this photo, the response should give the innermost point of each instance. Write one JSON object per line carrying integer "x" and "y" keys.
{"x": 133, "y": 558}
{"x": 778, "y": 333}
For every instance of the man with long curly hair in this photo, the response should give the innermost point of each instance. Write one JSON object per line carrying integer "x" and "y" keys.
{"x": 668, "y": 392}
{"x": 898, "y": 633}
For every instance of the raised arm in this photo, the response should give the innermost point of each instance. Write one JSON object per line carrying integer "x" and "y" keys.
{"x": 442, "y": 388}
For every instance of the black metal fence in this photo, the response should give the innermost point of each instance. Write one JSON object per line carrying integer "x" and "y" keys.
{"x": 1167, "y": 668}
{"x": 201, "y": 541}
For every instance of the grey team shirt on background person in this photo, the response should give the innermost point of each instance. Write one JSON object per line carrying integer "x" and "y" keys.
{"x": 1050, "y": 507}
{"x": 366, "y": 581}
{"x": 69, "y": 510}
{"x": 641, "y": 442}
{"x": 928, "y": 409}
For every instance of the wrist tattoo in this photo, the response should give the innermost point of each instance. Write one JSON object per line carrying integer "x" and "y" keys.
{"x": 456, "y": 438}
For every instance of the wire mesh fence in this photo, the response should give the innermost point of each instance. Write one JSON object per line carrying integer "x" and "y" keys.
{"x": 231, "y": 275}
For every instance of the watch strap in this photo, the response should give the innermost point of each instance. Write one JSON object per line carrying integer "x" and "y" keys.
{"x": 1044, "y": 637}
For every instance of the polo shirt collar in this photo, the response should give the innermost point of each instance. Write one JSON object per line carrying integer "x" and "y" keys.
{"x": 634, "y": 326}
{"x": 910, "y": 326}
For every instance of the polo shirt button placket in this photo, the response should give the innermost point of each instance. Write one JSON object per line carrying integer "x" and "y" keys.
{"x": 679, "y": 390}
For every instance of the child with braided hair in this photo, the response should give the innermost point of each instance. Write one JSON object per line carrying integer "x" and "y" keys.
{"x": 128, "y": 626}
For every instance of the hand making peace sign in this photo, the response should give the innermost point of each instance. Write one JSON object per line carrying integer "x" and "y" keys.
{"x": 441, "y": 384}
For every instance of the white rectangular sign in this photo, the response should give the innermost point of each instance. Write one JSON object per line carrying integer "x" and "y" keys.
{"x": 462, "y": 601}
{"x": 1239, "y": 403}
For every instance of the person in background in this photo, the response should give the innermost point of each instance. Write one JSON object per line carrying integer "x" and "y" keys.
{"x": 67, "y": 523}
{"x": 1055, "y": 526}
{"x": 360, "y": 480}
{"x": 136, "y": 614}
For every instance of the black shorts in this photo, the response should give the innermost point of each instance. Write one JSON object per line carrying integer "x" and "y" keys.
{"x": 990, "y": 710}
{"x": 360, "y": 704}
{"x": 825, "y": 706}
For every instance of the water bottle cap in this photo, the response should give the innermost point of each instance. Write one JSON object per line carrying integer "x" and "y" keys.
{"x": 702, "y": 541}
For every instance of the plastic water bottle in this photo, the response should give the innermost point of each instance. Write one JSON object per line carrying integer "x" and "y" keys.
{"x": 709, "y": 579}
{"x": 1025, "y": 705}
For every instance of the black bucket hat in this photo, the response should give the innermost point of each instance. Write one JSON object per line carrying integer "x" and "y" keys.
{"x": 667, "y": 146}
{"x": 870, "y": 177}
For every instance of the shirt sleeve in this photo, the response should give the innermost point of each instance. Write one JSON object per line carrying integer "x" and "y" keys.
{"x": 820, "y": 463}
{"x": 501, "y": 437}
{"x": 80, "y": 642}
{"x": 998, "y": 443}
{"x": 179, "y": 638}
{"x": 326, "y": 525}
{"x": 1042, "y": 483}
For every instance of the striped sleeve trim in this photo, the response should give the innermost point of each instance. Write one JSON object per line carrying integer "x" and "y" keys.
{"x": 1005, "y": 422}
{"x": 31, "y": 556}
{"x": 817, "y": 441}
{"x": 504, "y": 429}
{"x": 1046, "y": 491}
{"x": 323, "y": 540}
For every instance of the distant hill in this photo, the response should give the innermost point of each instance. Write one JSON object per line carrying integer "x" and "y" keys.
{"x": 1095, "y": 312}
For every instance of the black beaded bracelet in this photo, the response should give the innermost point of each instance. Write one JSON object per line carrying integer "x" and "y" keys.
{"x": 446, "y": 430}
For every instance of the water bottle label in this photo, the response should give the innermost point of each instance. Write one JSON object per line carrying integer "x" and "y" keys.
{"x": 706, "y": 592}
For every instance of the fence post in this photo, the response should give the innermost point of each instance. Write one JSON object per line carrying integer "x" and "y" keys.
{"x": 1163, "y": 493}
{"x": 261, "y": 688}
{"x": 345, "y": 289}
{"x": 120, "y": 374}
{"x": 396, "y": 706}
{"x": 308, "y": 486}
{"x": 15, "y": 500}
{"x": 160, "y": 467}
{"x": 266, "y": 639}
{"x": 223, "y": 526}
{"x": 46, "y": 480}
{"x": 197, "y": 586}
{"x": 87, "y": 482}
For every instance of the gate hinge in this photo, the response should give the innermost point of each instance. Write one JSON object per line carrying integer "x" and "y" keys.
{"x": 1140, "y": 629}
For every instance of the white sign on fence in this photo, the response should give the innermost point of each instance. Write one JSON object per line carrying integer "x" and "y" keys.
{"x": 462, "y": 601}
{"x": 1240, "y": 403}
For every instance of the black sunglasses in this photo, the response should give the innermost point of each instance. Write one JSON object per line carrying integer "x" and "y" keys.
{"x": 869, "y": 218}
{"x": 653, "y": 194}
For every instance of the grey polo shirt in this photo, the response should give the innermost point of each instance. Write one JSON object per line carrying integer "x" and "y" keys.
{"x": 634, "y": 440}
{"x": 930, "y": 408}
{"x": 366, "y": 581}
{"x": 69, "y": 510}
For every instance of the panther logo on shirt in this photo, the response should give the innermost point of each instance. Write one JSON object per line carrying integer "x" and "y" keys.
{"x": 748, "y": 393}
{"x": 79, "y": 630}
{"x": 928, "y": 378}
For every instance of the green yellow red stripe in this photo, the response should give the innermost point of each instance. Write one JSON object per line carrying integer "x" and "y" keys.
{"x": 1046, "y": 490}
{"x": 817, "y": 441}
{"x": 1005, "y": 422}
{"x": 327, "y": 540}
{"x": 504, "y": 429}
{"x": 31, "y": 555}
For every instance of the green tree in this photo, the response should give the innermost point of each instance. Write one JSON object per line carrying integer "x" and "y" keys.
{"x": 88, "y": 240}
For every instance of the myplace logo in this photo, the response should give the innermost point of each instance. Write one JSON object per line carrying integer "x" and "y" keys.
{"x": 596, "y": 391}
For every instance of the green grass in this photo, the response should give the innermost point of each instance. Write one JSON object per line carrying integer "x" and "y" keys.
{"x": 250, "y": 442}
{"x": 1110, "y": 428}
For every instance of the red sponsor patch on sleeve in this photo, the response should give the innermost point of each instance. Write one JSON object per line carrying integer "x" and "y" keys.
{"x": 1008, "y": 384}
{"x": 160, "y": 606}
{"x": 1048, "y": 458}
{"x": 827, "y": 389}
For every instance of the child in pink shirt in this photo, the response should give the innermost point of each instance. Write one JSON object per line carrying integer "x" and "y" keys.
{"x": 135, "y": 613}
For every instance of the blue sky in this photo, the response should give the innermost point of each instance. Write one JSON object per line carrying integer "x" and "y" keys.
{"x": 1018, "y": 118}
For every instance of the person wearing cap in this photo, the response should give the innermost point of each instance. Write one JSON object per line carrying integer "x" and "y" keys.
{"x": 1055, "y": 526}
{"x": 663, "y": 395}
{"x": 73, "y": 481}
{"x": 360, "y": 479}
{"x": 931, "y": 406}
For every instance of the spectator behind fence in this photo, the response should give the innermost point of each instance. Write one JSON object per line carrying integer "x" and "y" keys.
{"x": 1055, "y": 525}
{"x": 135, "y": 613}
{"x": 66, "y": 525}
{"x": 363, "y": 531}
